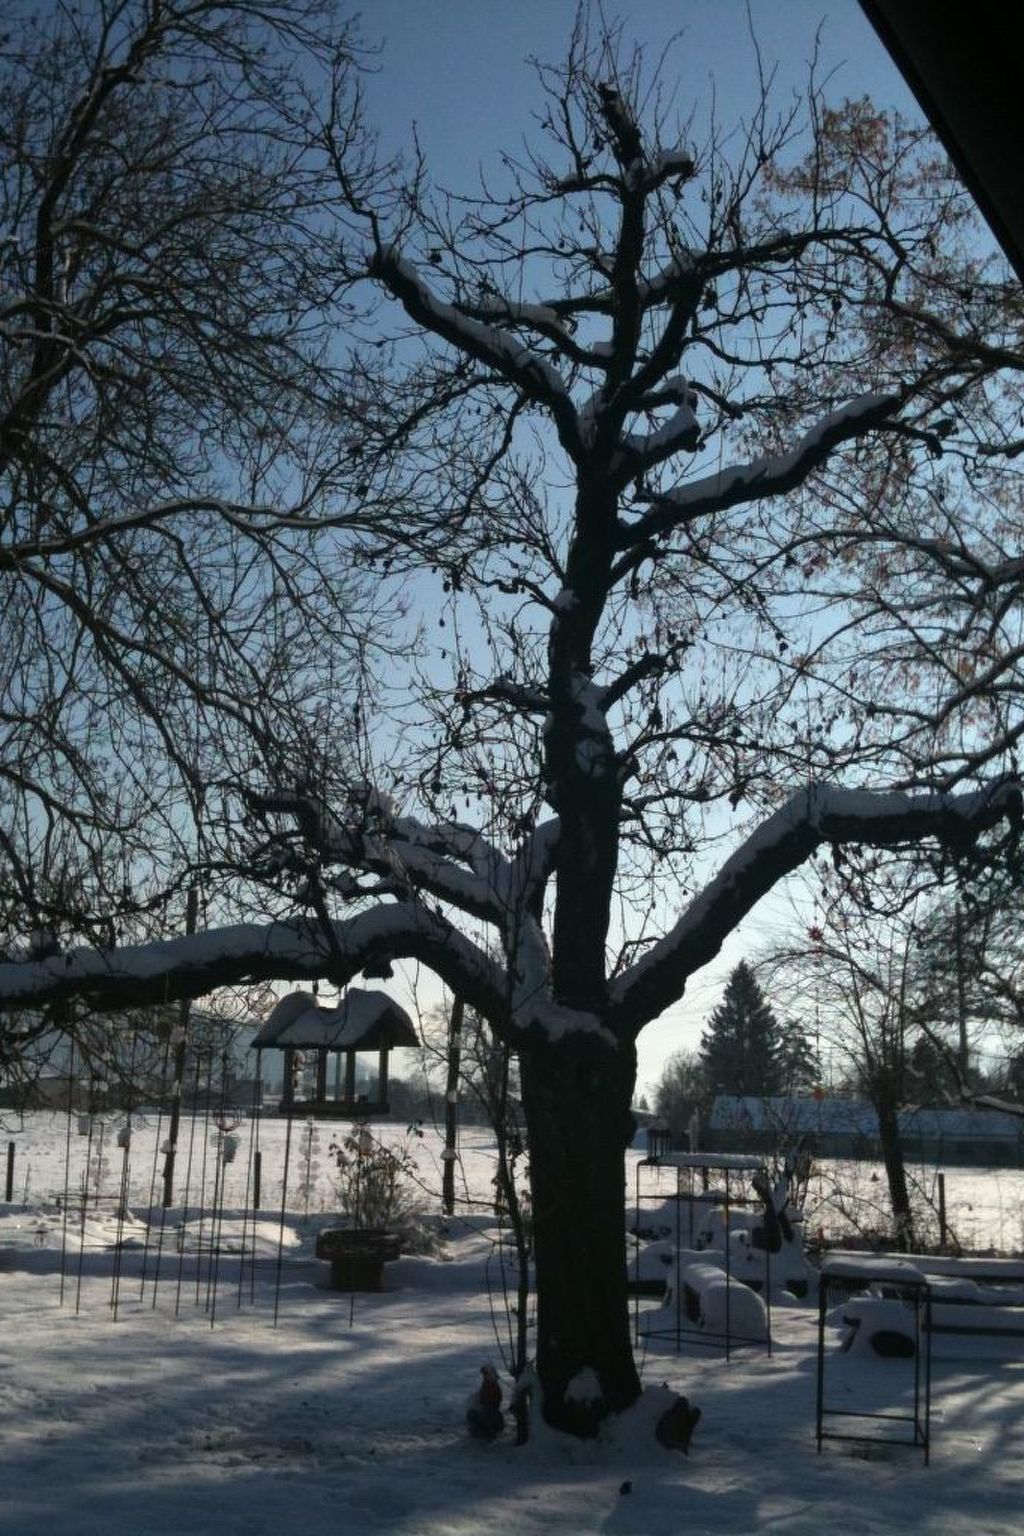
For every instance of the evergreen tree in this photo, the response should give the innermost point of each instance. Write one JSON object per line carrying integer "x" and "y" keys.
{"x": 744, "y": 1050}
{"x": 931, "y": 1074}
{"x": 799, "y": 1062}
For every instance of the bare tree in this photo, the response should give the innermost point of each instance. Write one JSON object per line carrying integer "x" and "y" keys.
{"x": 612, "y": 373}
{"x": 858, "y": 971}
{"x": 908, "y": 548}
{"x": 682, "y": 1094}
{"x": 177, "y": 413}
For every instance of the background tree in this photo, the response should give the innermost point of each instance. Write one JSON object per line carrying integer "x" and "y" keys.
{"x": 176, "y": 422}
{"x": 969, "y": 988}
{"x": 742, "y": 1049}
{"x": 681, "y": 1094}
{"x": 631, "y": 354}
{"x": 859, "y": 970}
{"x": 931, "y": 1075}
{"x": 800, "y": 1063}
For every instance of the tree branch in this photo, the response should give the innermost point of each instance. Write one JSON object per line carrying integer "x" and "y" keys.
{"x": 760, "y": 478}
{"x": 403, "y": 851}
{"x": 515, "y": 362}
{"x": 816, "y": 815}
{"x": 300, "y": 950}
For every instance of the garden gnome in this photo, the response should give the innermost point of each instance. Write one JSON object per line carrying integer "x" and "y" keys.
{"x": 677, "y": 1424}
{"x": 483, "y": 1411}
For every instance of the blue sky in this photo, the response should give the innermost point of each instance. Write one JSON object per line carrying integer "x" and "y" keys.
{"x": 457, "y": 67}
{"x": 457, "y": 70}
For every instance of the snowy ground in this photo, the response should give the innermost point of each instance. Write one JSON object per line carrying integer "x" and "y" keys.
{"x": 350, "y": 1418}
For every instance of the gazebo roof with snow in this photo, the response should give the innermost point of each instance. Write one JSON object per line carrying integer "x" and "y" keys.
{"x": 364, "y": 1021}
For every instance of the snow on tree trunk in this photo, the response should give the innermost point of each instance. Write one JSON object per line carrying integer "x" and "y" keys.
{"x": 576, "y": 1095}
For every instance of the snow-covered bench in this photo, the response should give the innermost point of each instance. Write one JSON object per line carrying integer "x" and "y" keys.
{"x": 882, "y": 1325}
{"x": 985, "y": 1271}
{"x": 878, "y": 1318}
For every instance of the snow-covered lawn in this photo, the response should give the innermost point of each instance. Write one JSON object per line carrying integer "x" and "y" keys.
{"x": 350, "y": 1418}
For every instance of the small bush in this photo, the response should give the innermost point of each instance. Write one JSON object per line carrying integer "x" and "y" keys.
{"x": 376, "y": 1184}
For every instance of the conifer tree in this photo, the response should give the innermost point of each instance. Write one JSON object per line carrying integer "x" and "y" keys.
{"x": 744, "y": 1050}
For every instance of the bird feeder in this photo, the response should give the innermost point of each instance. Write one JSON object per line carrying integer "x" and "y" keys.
{"x": 322, "y": 1047}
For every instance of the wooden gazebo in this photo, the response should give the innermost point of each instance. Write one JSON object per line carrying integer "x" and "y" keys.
{"x": 366, "y": 1021}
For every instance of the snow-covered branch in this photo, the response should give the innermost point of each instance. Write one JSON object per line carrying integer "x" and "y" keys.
{"x": 685, "y": 269}
{"x": 681, "y": 432}
{"x": 535, "y": 864}
{"x": 541, "y": 318}
{"x": 301, "y": 950}
{"x": 774, "y": 475}
{"x": 305, "y": 950}
{"x": 499, "y": 349}
{"x": 819, "y": 814}
{"x": 447, "y": 860}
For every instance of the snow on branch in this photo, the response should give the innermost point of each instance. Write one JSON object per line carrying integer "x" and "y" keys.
{"x": 195, "y": 965}
{"x": 680, "y": 432}
{"x": 536, "y": 317}
{"x": 819, "y": 814}
{"x": 668, "y": 165}
{"x": 301, "y": 950}
{"x": 448, "y": 860}
{"x": 537, "y": 861}
{"x": 774, "y": 475}
{"x": 682, "y": 276}
{"x": 490, "y": 344}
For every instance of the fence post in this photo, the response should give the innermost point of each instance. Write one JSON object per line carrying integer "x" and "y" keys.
{"x": 942, "y": 1212}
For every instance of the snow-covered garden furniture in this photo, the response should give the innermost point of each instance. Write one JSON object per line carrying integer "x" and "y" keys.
{"x": 985, "y": 1271}
{"x": 909, "y": 1292}
{"x": 723, "y": 1318}
{"x": 738, "y": 1224}
{"x": 977, "y": 1301}
{"x": 988, "y": 1319}
{"x": 357, "y": 1256}
{"x": 705, "y": 1305}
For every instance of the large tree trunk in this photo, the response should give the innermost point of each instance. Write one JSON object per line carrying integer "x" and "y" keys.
{"x": 576, "y": 1095}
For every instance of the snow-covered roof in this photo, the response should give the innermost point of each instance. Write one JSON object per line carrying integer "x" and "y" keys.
{"x": 711, "y": 1160}
{"x": 751, "y": 1112}
{"x": 365, "y": 1020}
{"x": 855, "y": 1117}
{"x": 964, "y": 1123}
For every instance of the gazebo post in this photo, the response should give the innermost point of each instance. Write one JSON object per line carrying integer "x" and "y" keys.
{"x": 288, "y": 1085}
{"x": 382, "y": 1074}
{"x": 350, "y": 1076}
{"x": 321, "y": 1074}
